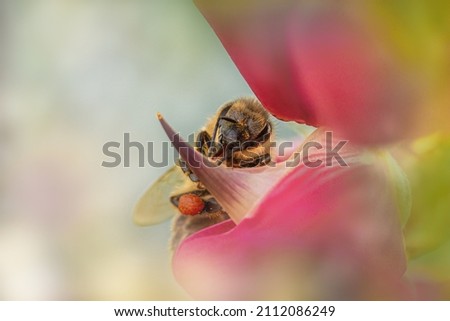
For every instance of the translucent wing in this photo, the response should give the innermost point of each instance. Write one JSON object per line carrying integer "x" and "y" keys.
{"x": 154, "y": 206}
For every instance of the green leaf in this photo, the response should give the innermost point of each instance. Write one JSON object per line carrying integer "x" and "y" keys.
{"x": 429, "y": 225}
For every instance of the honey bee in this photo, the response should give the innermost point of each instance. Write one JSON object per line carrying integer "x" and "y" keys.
{"x": 239, "y": 135}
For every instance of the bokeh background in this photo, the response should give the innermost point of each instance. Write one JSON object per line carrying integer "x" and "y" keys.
{"x": 75, "y": 75}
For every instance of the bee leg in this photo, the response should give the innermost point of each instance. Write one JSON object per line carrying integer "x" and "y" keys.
{"x": 193, "y": 177}
{"x": 228, "y": 154}
{"x": 207, "y": 146}
{"x": 182, "y": 164}
{"x": 203, "y": 142}
{"x": 211, "y": 206}
{"x": 259, "y": 161}
{"x": 175, "y": 200}
{"x": 186, "y": 170}
{"x": 266, "y": 159}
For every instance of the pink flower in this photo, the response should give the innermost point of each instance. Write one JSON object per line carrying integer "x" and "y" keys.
{"x": 319, "y": 63}
{"x": 326, "y": 232}
{"x": 302, "y": 232}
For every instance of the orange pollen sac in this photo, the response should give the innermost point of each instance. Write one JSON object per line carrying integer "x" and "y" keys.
{"x": 190, "y": 204}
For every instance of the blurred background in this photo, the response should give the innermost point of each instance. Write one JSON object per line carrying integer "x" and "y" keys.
{"x": 75, "y": 75}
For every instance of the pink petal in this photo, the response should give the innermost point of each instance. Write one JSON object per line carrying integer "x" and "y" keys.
{"x": 316, "y": 63}
{"x": 250, "y": 36}
{"x": 321, "y": 233}
{"x": 354, "y": 86}
{"x": 236, "y": 190}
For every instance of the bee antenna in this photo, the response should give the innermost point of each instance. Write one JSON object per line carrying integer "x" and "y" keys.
{"x": 231, "y": 120}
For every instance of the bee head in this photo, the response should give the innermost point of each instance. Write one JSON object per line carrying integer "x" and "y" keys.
{"x": 232, "y": 131}
{"x": 241, "y": 124}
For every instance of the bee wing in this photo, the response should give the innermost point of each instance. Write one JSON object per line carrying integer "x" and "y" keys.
{"x": 154, "y": 206}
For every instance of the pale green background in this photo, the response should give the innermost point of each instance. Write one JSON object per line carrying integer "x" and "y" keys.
{"x": 77, "y": 74}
